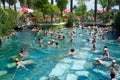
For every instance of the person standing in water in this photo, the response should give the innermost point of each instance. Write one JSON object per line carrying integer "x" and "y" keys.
{"x": 40, "y": 42}
{"x": 106, "y": 52}
{"x": 113, "y": 74}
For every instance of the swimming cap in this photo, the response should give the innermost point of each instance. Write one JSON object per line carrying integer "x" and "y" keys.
{"x": 113, "y": 61}
{"x": 48, "y": 42}
{"x": 16, "y": 59}
{"x": 96, "y": 58}
{"x": 105, "y": 49}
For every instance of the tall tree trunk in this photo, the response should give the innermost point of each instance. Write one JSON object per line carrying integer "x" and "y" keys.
{"x": 0, "y": 3}
{"x": 95, "y": 11}
{"x": 109, "y": 5}
{"x": 15, "y": 7}
{"x": 71, "y": 6}
{"x": 119, "y": 6}
{"x": 9, "y": 3}
{"x": 61, "y": 13}
{"x": 25, "y": 3}
{"x": 52, "y": 2}
{"x": 3, "y": 4}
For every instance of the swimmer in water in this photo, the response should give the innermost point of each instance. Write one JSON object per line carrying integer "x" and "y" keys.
{"x": 19, "y": 64}
{"x": 71, "y": 53}
{"x": 98, "y": 61}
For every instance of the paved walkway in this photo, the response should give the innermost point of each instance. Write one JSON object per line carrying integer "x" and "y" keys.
{"x": 55, "y": 24}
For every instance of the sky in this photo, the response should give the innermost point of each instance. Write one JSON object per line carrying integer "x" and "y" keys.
{"x": 90, "y": 5}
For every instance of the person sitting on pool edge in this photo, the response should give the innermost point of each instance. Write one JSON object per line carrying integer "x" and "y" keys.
{"x": 19, "y": 64}
{"x": 71, "y": 53}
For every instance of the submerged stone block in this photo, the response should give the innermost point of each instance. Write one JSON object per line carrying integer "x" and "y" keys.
{"x": 67, "y": 60}
{"x": 44, "y": 78}
{"x": 78, "y": 64}
{"x": 59, "y": 69}
{"x": 82, "y": 73}
{"x": 3, "y": 73}
{"x": 71, "y": 77}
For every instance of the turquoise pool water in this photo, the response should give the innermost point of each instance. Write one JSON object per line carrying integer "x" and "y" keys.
{"x": 50, "y": 63}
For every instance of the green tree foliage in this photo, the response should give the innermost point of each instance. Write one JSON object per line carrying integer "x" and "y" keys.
{"x": 7, "y": 23}
{"x": 41, "y": 5}
{"x": 103, "y": 3}
{"x": 81, "y": 10}
{"x": 51, "y": 9}
{"x": 81, "y": 2}
{"x": 62, "y": 4}
{"x": 117, "y": 23}
{"x": 46, "y": 8}
{"x": 38, "y": 15}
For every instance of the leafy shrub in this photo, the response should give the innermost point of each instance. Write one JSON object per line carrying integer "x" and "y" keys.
{"x": 8, "y": 21}
{"x": 70, "y": 21}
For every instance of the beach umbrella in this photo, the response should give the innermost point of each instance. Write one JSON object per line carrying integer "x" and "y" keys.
{"x": 25, "y": 9}
{"x": 67, "y": 11}
{"x": 101, "y": 11}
